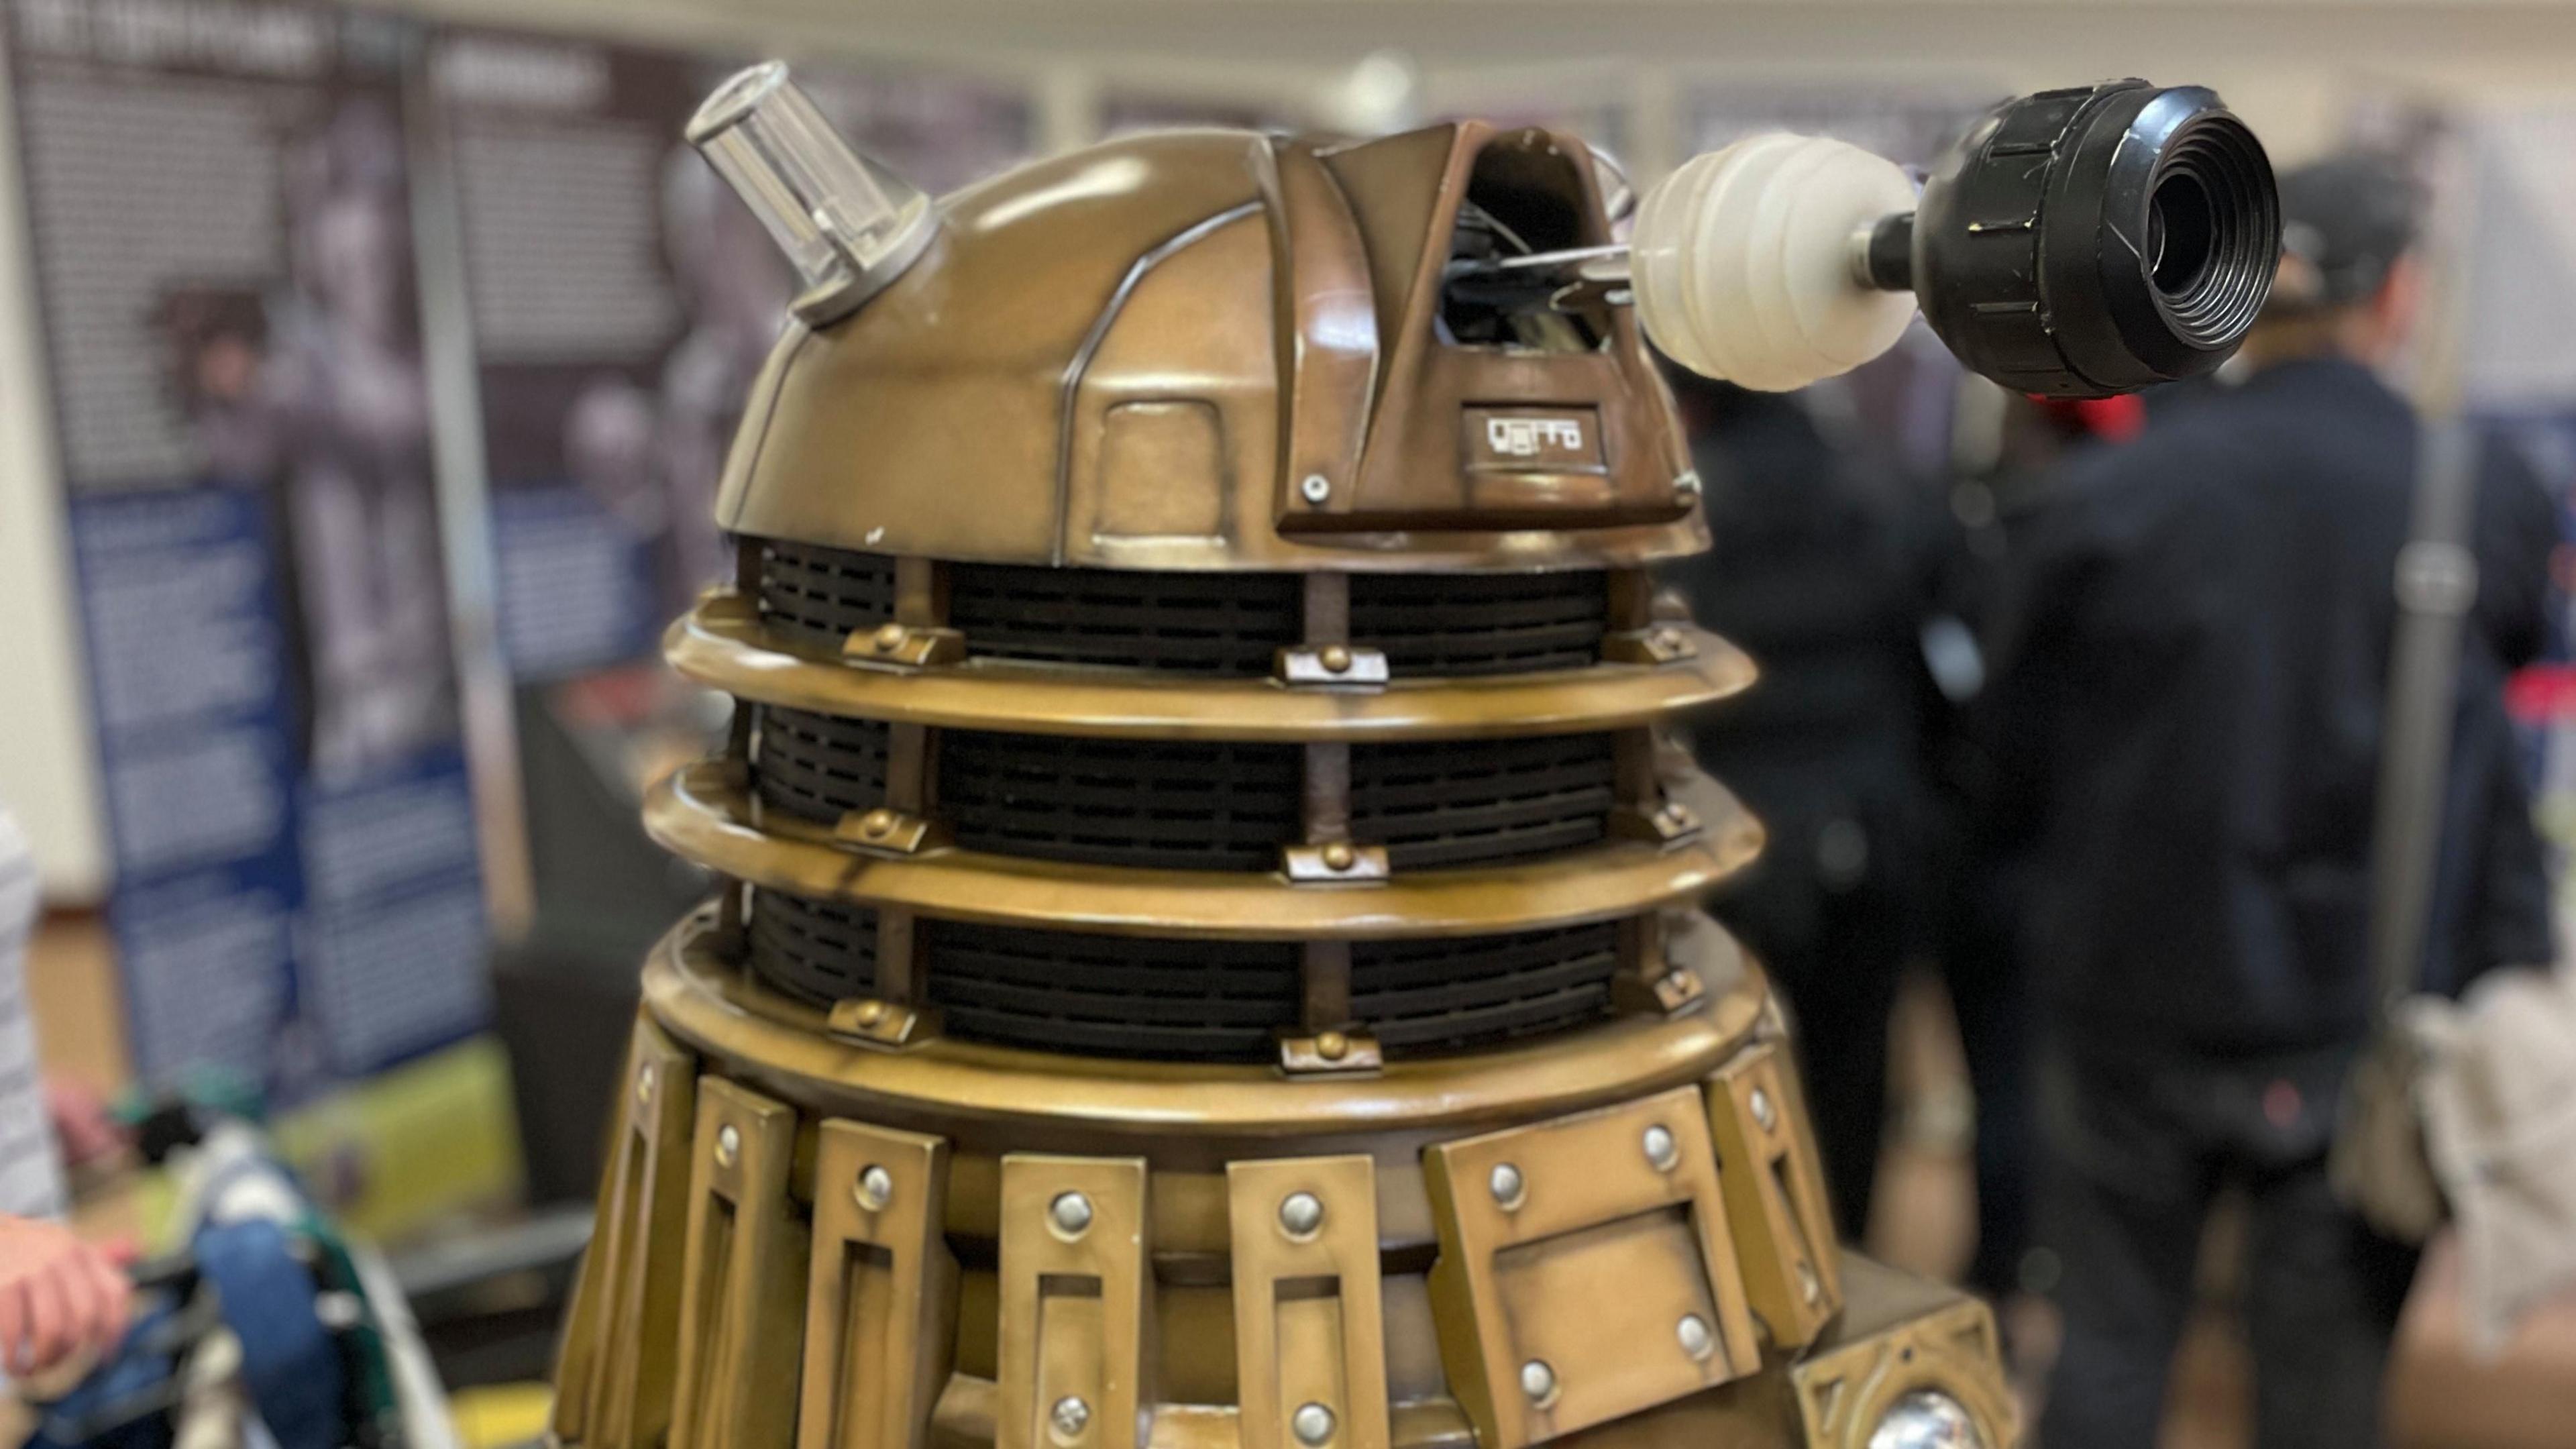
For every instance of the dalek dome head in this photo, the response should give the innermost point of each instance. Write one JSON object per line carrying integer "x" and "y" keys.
{"x": 1201, "y": 350}
{"x": 1227, "y": 351}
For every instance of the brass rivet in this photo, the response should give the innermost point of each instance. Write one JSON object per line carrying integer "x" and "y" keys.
{"x": 1763, "y": 1112}
{"x": 876, "y": 822}
{"x": 1070, "y": 1417}
{"x": 1504, "y": 1182}
{"x": 728, "y": 1145}
{"x": 875, "y": 1188}
{"x": 1661, "y": 1149}
{"x": 1072, "y": 1214}
{"x": 888, "y": 636}
{"x": 1313, "y": 1424}
{"x": 870, "y": 1013}
{"x": 1316, "y": 488}
{"x": 1538, "y": 1381}
{"x": 1693, "y": 1332}
{"x": 1301, "y": 1213}
{"x": 1339, "y": 856}
{"x": 1332, "y": 1046}
{"x": 1335, "y": 658}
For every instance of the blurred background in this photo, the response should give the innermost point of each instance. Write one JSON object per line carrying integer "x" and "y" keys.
{"x": 364, "y": 376}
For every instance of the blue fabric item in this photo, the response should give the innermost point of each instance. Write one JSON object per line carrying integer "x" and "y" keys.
{"x": 289, "y": 1363}
{"x": 125, "y": 1376}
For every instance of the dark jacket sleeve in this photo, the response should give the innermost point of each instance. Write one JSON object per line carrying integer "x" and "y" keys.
{"x": 2029, "y": 629}
{"x": 2516, "y": 532}
{"x": 2509, "y": 919}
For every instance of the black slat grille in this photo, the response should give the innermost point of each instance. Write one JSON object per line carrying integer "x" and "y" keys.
{"x": 1191, "y": 805}
{"x": 1453, "y": 625}
{"x": 816, "y": 598}
{"x": 1180, "y": 804}
{"x": 818, "y": 766}
{"x": 1172, "y": 1000}
{"x": 1476, "y": 802}
{"x": 1117, "y": 996}
{"x": 1207, "y": 624}
{"x": 1195, "y": 805}
{"x": 1448, "y": 995}
{"x": 811, "y": 949}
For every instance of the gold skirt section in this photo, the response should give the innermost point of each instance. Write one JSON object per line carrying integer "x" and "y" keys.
{"x": 1613, "y": 1238}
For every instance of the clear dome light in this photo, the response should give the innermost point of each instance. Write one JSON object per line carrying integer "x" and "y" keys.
{"x": 848, "y": 224}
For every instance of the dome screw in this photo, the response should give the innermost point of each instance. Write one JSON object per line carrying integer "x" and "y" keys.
{"x": 1763, "y": 1112}
{"x": 728, "y": 1145}
{"x": 1313, "y": 1424}
{"x": 1695, "y": 1337}
{"x": 888, "y": 636}
{"x": 644, "y": 1083}
{"x": 1316, "y": 488}
{"x": 1505, "y": 1183}
{"x": 1070, "y": 1416}
{"x": 1661, "y": 1149}
{"x": 1072, "y": 1214}
{"x": 1301, "y": 1213}
{"x": 876, "y": 823}
{"x": 1332, "y": 1046}
{"x": 1335, "y": 658}
{"x": 1338, "y": 855}
{"x": 875, "y": 1188}
{"x": 1538, "y": 1381}
{"x": 869, "y": 1013}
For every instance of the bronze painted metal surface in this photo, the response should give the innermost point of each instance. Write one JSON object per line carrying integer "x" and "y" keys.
{"x": 1619, "y": 1205}
{"x": 1086, "y": 368}
{"x": 1205, "y": 952}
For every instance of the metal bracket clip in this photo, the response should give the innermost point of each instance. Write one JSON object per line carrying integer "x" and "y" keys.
{"x": 1660, "y": 644}
{"x": 868, "y": 1021}
{"x": 903, "y": 646}
{"x": 885, "y": 830}
{"x": 1332, "y": 666}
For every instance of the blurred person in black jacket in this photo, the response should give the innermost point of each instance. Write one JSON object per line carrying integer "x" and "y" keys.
{"x": 2189, "y": 668}
{"x": 1817, "y": 568}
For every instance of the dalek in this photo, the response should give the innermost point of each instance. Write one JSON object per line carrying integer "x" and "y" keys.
{"x": 1207, "y": 954}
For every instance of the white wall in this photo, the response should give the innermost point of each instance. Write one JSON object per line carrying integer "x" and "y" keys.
{"x": 2290, "y": 66}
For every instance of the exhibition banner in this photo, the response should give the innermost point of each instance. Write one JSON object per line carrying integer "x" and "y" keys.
{"x": 221, "y": 223}
{"x": 622, "y": 299}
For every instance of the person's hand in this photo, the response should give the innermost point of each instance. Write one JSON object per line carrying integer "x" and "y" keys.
{"x": 58, "y": 1296}
{"x": 84, "y": 1129}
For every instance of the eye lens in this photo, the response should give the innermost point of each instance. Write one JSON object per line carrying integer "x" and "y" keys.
{"x": 2212, "y": 232}
{"x": 2180, "y": 234}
